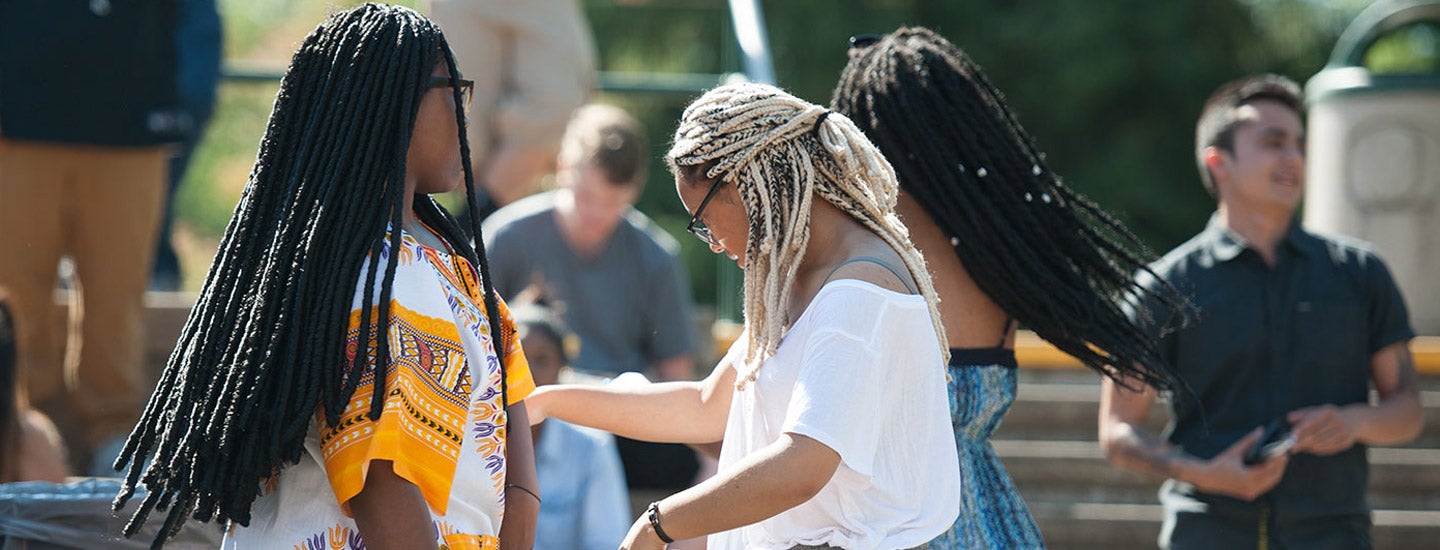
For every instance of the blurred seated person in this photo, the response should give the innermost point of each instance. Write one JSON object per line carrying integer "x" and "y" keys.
{"x": 626, "y": 296}
{"x": 585, "y": 504}
{"x": 625, "y": 292}
{"x": 30, "y": 447}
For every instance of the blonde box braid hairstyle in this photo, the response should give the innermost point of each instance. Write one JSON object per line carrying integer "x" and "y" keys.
{"x": 264, "y": 349}
{"x": 780, "y": 151}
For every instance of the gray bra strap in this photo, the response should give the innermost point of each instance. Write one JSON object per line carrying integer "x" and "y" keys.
{"x": 903, "y": 280}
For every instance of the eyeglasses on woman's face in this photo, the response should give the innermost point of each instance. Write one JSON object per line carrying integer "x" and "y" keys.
{"x": 696, "y": 225}
{"x": 467, "y": 88}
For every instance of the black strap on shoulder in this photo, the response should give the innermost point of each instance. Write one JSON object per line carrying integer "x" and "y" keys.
{"x": 903, "y": 280}
{"x": 1005, "y": 332}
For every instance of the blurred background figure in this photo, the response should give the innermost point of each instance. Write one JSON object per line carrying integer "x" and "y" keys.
{"x": 88, "y": 101}
{"x": 533, "y": 62}
{"x": 585, "y": 504}
{"x": 198, "y": 43}
{"x": 30, "y": 447}
{"x": 626, "y": 295}
{"x": 1295, "y": 329}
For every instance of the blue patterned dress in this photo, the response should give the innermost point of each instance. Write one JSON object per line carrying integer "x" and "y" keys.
{"x": 981, "y": 384}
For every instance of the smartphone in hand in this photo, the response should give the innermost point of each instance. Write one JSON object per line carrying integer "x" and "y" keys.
{"x": 1274, "y": 441}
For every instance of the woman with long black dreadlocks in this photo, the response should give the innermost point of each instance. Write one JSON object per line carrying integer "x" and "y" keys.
{"x": 348, "y": 376}
{"x": 1007, "y": 242}
{"x": 832, "y": 404}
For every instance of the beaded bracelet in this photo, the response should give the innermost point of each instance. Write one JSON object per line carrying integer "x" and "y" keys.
{"x": 653, "y": 514}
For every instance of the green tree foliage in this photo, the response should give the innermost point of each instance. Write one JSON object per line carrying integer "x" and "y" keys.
{"x": 1110, "y": 90}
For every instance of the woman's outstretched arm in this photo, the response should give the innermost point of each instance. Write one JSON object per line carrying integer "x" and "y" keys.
{"x": 672, "y": 412}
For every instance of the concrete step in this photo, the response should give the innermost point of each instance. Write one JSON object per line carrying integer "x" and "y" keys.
{"x": 1076, "y": 471}
{"x": 1095, "y": 526}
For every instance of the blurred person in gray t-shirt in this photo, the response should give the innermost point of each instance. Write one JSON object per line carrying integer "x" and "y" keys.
{"x": 613, "y": 270}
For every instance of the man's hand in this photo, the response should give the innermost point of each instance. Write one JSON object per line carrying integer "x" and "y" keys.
{"x": 1227, "y": 474}
{"x": 1321, "y": 430}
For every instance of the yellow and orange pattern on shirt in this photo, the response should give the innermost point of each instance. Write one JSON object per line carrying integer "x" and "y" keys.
{"x": 440, "y": 429}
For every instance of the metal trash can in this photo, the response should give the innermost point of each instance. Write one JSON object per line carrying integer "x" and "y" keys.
{"x": 36, "y": 515}
{"x": 1373, "y": 157}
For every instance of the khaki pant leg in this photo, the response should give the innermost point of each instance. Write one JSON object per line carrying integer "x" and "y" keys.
{"x": 533, "y": 62}
{"x": 475, "y": 34}
{"x": 116, "y": 211}
{"x": 32, "y": 179}
{"x": 552, "y": 70}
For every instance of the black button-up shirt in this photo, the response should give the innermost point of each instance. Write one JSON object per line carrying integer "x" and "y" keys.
{"x": 1269, "y": 340}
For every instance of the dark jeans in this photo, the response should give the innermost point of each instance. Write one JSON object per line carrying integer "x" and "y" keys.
{"x": 667, "y": 466}
{"x": 165, "y": 273}
{"x": 1185, "y": 530}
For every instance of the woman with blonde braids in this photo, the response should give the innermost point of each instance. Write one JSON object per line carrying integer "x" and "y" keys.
{"x": 832, "y": 405}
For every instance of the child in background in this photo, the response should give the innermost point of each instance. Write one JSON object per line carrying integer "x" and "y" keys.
{"x": 586, "y": 503}
{"x": 30, "y": 446}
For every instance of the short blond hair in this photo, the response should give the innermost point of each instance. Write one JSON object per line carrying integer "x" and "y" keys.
{"x": 607, "y": 137}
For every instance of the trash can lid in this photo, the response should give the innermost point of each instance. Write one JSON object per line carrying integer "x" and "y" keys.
{"x": 1346, "y": 72}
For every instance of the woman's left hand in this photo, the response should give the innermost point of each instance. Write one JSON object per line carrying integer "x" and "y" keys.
{"x": 642, "y": 537}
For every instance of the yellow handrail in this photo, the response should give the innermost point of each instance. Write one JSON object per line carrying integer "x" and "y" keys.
{"x": 1033, "y": 353}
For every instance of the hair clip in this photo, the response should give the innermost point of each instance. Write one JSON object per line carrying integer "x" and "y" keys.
{"x": 821, "y": 119}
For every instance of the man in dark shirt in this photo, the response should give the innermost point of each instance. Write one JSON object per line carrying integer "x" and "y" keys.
{"x": 1292, "y": 328}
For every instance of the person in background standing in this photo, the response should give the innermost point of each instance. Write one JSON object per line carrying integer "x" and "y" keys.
{"x": 533, "y": 63}
{"x": 88, "y": 106}
{"x": 1294, "y": 330}
{"x": 199, "y": 40}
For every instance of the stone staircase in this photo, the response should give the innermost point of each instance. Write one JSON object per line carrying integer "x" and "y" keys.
{"x": 1048, "y": 443}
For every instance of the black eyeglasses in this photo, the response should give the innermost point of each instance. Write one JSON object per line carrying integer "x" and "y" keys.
{"x": 467, "y": 87}
{"x": 864, "y": 40}
{"x": 698, "y": 227}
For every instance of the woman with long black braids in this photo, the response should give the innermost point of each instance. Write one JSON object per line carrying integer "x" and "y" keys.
{"x": 1007, "y": 242}
{"x": 348, "y": 376}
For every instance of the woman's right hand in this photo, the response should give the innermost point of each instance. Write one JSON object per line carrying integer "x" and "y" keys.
{"x": 535, "y": 404}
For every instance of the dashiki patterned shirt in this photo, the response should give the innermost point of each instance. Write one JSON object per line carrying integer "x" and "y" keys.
{"x": 442, "y": 425}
